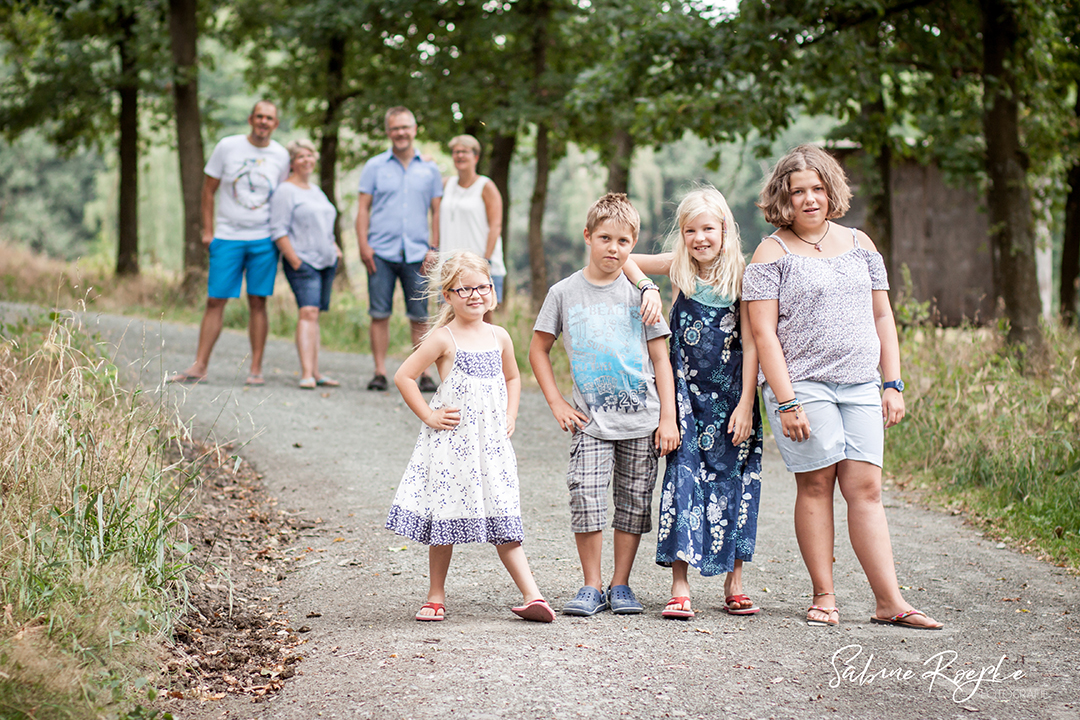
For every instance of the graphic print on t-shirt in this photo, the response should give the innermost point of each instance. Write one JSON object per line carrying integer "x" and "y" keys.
{"x": 252, "y": 188}
{"x": 608, "y": 360}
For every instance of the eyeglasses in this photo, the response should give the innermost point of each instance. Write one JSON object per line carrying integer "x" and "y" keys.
{"x": 466, "y": 292}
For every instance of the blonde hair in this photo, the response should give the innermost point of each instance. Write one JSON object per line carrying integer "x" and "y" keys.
{"x": 466, "y": 141}
{"x": 725, "y": 273}
{"x": 295, "y": 146}
{"x": 775, "y": 199}
{"x": 614, "y": 207}
{"x": 446, "y": 274}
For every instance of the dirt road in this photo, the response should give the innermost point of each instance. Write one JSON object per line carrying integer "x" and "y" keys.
{"x": 1009, "y": 650}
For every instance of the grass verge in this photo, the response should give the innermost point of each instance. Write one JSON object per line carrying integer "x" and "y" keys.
{"x": 91, "y": 570}
{"x": 26, "y": 276}
{"x": 982, "y": 436}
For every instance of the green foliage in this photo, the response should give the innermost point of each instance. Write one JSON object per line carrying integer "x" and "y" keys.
{"x": 1001, "y": 442}
{"x": 62, "y": 66}
{"x": 91, "y": 572}
{"x": 43, "y": 196}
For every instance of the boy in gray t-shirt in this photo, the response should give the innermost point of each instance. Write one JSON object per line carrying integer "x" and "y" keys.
{"x": 623, "y": 417}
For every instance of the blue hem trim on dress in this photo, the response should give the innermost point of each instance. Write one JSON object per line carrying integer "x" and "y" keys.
{"x": 494, "y": 530}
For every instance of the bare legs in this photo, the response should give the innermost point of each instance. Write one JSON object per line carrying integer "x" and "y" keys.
{"x": 512, "y": 556}
{"x": 680, "y": 585}
{"x": 210, "y": 330}
{"x": 860, "y": 484}
{"x": 307, "y": 342}
{"x": 590, "y": 547}
{"x": 379, "y": 332}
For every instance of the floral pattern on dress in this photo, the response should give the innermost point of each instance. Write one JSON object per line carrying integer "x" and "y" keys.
{"x": 461, "y": 485}
{"x": 711, "y": 489}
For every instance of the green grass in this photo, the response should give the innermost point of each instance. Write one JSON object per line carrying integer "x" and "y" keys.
{"x": 91, "y": 570}
{"x": 1002, "y": 444}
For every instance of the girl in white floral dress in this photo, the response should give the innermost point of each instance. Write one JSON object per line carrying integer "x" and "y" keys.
{"x": 461, "y": 484}
{"x": 712, "y": 482}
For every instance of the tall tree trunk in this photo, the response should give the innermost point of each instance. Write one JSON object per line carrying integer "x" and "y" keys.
{"x": 1070, "y": 250}
{"x": 127, "y": 251}
{"x": 328, "y": 142}
{"x": 540, "y": 12}
{"x": 537, "y": 259}
{"x": 879, "y": 215}
{"x": 1009, "y": 198}
{"x": 500, "y": 153}
{"x": 183, "y": 34}
{"x": 622, "y": 152}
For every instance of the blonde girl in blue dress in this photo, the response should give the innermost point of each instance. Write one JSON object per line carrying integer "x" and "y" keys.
{"x": 712, "y": 482}
{"x": 461, "y": 485}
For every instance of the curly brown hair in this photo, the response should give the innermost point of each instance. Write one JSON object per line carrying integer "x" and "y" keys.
{"x": 775, "y": 198}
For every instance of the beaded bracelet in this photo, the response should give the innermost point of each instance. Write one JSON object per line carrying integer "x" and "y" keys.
{"x": 641, "y": 282}
{"x": 790, "y": 406}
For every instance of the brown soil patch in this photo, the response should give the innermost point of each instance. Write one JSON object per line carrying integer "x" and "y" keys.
{"x": 235, "y": 639}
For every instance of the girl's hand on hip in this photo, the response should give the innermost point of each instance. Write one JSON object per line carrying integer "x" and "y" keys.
{"x": 892, "y": 407}
{"x": 444, "y": 418}
{"x": 795, "y": 425}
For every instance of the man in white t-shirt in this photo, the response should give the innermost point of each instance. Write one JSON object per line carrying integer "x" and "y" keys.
{"x": 239, "y": 178}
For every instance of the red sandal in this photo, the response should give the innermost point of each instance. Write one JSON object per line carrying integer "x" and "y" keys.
{"x": 740, "y": 599}
{"x": 437, "y": 607}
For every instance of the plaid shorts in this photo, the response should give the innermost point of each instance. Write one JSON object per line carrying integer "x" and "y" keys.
{"x": 593, "y": 463}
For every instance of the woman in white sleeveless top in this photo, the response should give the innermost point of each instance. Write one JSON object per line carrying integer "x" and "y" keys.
{"x": 470, "y": 214}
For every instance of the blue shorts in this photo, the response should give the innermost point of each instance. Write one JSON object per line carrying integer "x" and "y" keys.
{"x": 845, "y": 424}
{"x": 497, "y": 281}
{"x": 229, "y": 259}
{"x": 310, "y": 285}
{"x": 381, "y": 289}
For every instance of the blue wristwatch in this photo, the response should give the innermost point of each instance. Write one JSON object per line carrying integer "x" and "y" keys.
{"x": 897, "y": 385}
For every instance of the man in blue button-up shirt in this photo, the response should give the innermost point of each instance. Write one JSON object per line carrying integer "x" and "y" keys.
{"x": 397, "y": 188}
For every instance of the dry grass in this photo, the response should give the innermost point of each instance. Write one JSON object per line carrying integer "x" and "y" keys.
{"x": 90, "y": 572}
{"x": 1003, "y": 444}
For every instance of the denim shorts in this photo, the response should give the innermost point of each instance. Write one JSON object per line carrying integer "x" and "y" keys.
{"x": 381, "y": 289}
{"x": 845, "y": 424}
{"x": 229, "y": 259}
{"x": 594, "y": 464}
{"x": 310, "y": 285}
{"x": 497, "y": 281}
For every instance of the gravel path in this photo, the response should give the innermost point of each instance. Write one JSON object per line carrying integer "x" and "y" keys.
{"x": 1009, "y": 649}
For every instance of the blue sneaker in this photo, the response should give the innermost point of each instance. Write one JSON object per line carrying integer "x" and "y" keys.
{"x": 622, "y": 600}
{"x": 588, "y": 601}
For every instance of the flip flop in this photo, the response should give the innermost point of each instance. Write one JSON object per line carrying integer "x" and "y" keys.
{"x": 378, "y": 383}
{"x": 183, "y": 378}
{"x": 900, "y": 620}
{"x": 327, "y": 382}
{"x": 255, "y": 380}
{"x": 537, "y": 611}
{"x": 677, "y": 614}
{"x": 752, "y": 610}
{"x": 437, "y": 607}
{"x": 308, "y": 384}
{"x": 828, "y": 612}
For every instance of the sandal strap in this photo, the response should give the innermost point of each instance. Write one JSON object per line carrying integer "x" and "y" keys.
{"x": 826, "y": 610}
{"x": 906, "y": 614}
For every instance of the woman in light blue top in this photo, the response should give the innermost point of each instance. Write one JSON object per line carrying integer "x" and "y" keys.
{"x": 302, "y": 225}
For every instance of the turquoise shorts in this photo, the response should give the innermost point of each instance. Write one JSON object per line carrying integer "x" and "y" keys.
{"x": 230, "y": 259}
{"x": 845, "y": 424}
